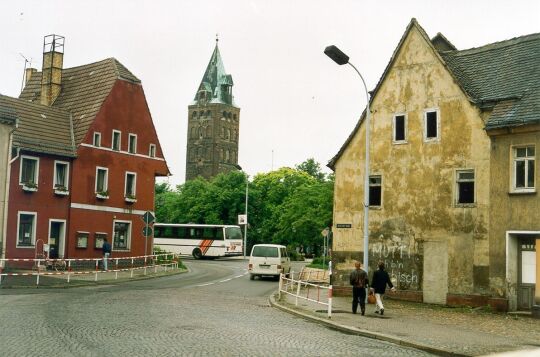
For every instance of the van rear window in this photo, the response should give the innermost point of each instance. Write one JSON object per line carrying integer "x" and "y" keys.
{"x": 268, "y": 252}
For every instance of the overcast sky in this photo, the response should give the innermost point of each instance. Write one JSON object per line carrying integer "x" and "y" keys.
{"x": 295, "y": 102}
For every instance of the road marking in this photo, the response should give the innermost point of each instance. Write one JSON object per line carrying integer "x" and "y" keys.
{"x": 205, "y": 284}
{"x": 222, "y": 281}
{"x": 239, "y": 276}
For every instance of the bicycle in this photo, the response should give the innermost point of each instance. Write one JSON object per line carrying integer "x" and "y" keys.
{"x": 58, "y": 265}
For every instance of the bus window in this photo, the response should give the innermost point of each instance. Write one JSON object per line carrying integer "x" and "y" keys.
{"x": 233, "y": 233}
{"x": 219, "y": 233}
{"x": 174, "y": 232}
{"x": 182, "y": 233}
{"x": 167, "y": 232}
{"x": 158, "y": 231}
{"x": 196, "y": 233}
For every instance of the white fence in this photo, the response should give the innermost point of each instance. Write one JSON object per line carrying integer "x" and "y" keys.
{"x": 85, "y": 266}
{"x": 302, "y": 289}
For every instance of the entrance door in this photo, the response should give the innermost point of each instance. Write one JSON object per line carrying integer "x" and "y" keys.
{"x": 526, "y": 273}
{"x": 56, "y": 237}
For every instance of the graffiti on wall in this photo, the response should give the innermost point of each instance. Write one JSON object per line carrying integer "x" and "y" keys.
{"x": 401, "y": 259}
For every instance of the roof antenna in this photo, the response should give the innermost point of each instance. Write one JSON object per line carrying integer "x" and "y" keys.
{"x": 217, "y": 38}
{"x": 24, "y": 72}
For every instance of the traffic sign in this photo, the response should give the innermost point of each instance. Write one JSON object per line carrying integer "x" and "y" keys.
{"x": 147, "y": 231}
{"x": 242, "y": 219}
{"x": 148, "y": 217}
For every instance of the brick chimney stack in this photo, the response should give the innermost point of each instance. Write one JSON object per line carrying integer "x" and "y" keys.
{"x": 53, "y": 60}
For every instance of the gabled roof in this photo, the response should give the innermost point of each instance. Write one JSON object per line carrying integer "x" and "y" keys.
{"x": 7, "y": 115}
{"x": 84, "y": 89}
{"x": 503, "y": 76}
{"x": 214, "y": 79}
{"x": 40, "y": 128}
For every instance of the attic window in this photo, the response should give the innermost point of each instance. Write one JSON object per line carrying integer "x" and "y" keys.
{"x": 431, "y": 125}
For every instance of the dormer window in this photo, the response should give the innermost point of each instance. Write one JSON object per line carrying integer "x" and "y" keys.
{"x": 116, "y": 140}
{"x": 132, "y": 143}
{"x": 97, "y": 139}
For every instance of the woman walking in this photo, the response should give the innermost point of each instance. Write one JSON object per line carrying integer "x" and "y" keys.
{"x": 378, "y": 286}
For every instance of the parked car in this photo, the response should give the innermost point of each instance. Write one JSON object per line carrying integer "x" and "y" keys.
{"x": 268, "y": 260}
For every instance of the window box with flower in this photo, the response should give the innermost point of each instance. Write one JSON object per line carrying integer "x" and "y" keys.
{"x": 102, "y": 195}
{"x": 29, "y": 187}
{"x": 130, "y": 198}
{"x": 61, "y": 190}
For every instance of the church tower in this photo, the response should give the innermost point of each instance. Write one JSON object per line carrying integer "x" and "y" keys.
{"x": 213, "y": 124}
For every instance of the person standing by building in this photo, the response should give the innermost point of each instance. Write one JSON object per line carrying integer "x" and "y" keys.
{"x": 106, "y": 248}
{"x": 359, "y": 282}
{"x": 378, "y": 286}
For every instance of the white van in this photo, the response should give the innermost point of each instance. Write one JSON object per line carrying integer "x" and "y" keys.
{"x": 268, "y": 260}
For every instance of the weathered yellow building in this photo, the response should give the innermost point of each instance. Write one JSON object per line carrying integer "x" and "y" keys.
{"x": 439, "y": 184}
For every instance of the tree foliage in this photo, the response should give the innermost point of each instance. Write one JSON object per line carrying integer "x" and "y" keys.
{"x": 286, "y": 206}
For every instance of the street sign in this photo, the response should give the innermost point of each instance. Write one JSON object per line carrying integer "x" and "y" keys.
{"x": 324, "y": 232}
{"x": 242, "y": 219}
{"x": 344, "y": 225}
{"x": 148, "y": 217}
{"x": 147, "y": 231}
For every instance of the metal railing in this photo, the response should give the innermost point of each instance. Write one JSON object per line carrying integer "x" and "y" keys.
{"x": 301, "y": 289}
{"x": 70, "y": 268}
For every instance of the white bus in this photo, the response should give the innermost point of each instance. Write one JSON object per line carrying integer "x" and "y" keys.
{"x": 199, "y": 240}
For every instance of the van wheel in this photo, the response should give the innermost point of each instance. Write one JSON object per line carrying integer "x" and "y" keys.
{"x": 251, "y": 276}
{"x": 197, "y": 254}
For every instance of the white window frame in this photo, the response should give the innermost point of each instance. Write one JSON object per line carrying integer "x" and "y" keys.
{"x": 405, "y": 121}
{"x": 132, "y": 138}
{"x": 514, "y": 159}
{"x": 36, "y": 174}
{"x": 128, "y": 245}
{"x": 456, "y": 187}
{"x": 67, "y": 173}
{"x": 134, "y": 183}
{"x": 96, "y": 140}
{"x": 33, "y": 238}
{"x": 119, "y": 140}
{"x": 105, "y": 181}
{"x": 152, "y": 150}
{"x": 438, "y": 137}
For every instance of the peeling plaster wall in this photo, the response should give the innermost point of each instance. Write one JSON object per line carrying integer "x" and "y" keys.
{"x": 418, "y": 179}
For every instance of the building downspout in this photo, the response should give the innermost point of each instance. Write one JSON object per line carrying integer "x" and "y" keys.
{"x": 6, "y": 193}
{"x": 67, "y": 230}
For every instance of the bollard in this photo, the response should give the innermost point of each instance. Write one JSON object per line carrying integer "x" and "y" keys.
{"x": 132, "y": 267}
{"x": 97, "y": 263}
{"x": 280, "y": 285}
{"x": 38, "y": 270}
{"x": 330, "y": 302}
{"x": 297, "y": 293}
{"x": 116, "y": 272}
{"x": 69, "y": 270}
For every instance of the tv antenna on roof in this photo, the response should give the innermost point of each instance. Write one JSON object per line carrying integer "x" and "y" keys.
{"x": 26, "y": 61}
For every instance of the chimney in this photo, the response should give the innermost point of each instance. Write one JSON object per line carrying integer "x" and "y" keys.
{"x": 29, "y": 72}
{"x": 53, "y": 60}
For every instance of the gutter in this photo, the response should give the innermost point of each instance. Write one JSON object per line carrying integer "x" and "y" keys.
{"x": 3, "y": 238}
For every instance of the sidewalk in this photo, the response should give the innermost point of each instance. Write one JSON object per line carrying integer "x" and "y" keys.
{"x": 436, "y": 329}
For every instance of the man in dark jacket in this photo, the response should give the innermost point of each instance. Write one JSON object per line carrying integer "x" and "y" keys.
{"x": 359, "y": 281}
{"x": 106, "y": 249}
{"x": 378, "y": 286}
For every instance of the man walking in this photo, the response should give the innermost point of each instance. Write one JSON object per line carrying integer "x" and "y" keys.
{"x": 106, "y": 249}
{"x": 359, "y": 282}
{"x": 378, "y": 285}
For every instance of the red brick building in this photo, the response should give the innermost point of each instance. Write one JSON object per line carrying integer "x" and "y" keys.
{"x": 84, "y": 160}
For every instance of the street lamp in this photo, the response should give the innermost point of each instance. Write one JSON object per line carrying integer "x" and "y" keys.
{"x": 341, "y": 58}
{"x": 246, "y": 227}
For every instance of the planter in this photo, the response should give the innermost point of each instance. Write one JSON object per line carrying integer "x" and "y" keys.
{"x": 102, "y": 196}
{"x": 130, "y": 199}
{"x": 27, "y": 188}
{"x": 61, "y": 192}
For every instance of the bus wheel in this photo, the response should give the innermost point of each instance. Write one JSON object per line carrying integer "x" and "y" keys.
{"x": 197, "y": 254}
{"x": 251, "y": 276}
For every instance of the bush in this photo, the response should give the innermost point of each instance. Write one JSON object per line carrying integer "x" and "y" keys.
{"x": 295, "y": 256}
{"x": 318, "y": 263}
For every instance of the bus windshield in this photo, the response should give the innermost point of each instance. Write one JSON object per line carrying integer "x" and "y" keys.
{"x": 233, "y": 233}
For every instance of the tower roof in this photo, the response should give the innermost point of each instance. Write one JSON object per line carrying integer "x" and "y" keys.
{"x": 216, "y": 83}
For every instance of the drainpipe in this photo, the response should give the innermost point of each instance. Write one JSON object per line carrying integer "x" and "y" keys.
{"x": 6, "y": 193}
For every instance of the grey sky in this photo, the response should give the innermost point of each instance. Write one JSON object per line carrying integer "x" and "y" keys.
{"x": 294, "y": 100}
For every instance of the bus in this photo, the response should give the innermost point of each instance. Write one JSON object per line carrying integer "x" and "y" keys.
{"x": 199, "y": 240}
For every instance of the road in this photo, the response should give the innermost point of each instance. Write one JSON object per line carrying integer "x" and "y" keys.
{"x": 212, "y": 310}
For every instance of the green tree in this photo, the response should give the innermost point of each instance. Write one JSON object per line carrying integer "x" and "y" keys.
{"x": 312, "y": 168}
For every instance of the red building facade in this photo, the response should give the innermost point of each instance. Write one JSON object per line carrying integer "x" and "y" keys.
{"x": 84, "y": 162}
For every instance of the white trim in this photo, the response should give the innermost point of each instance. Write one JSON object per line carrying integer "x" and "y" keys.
{"x": 61, "y": 239}
{"x": 134, "y": 183}
{"x": 119, "y": 140}
{"x": 67, "y": 173}
{"x": 128, "y": 248}
{"x": 36, "y": 174}
{"x": 438, "y": 137}
{"x": 405, "y": 121}
{"x": 514, "y": 159}
{"x": 94, "y": 139}
{"x": 122, "y": 152}
{"x": 131, "y": 135}
{"x": 456, "y": 187}
{"x": 108, "y": 209}
{"x": 105, "y": 181}
{"x": 152, "y": 146}
{"x": 33, "y": 238}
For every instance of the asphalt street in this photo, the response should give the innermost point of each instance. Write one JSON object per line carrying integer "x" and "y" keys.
{"x": 214, "y": 309}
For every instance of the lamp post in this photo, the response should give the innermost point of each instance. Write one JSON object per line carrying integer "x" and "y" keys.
{"x": 246, "y": 226}
{"x": 341, "y": 58}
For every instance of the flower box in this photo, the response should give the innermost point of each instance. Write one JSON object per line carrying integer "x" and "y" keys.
{"x": 102, "y": 195}
{"x": 61, "y": 191}
{"x": 29, "y": 187}
{"x": 130, "y": 199}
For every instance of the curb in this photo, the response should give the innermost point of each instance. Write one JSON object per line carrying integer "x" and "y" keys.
{"x": 363, "y": 333}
